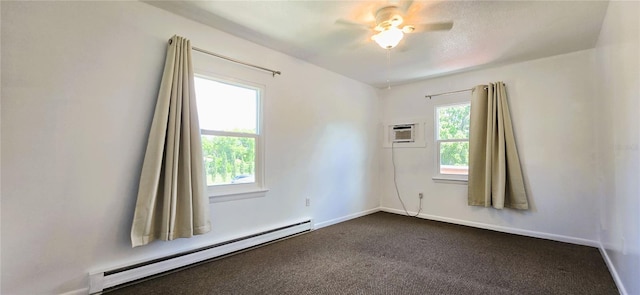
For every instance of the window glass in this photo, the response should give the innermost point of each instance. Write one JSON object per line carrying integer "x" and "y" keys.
{"x": 453, "y": 122}
{"x": 452, "y": 129}
{"x": 229, "y": 159}
{"x": 228, "y": 115}
{"x": 226, "y": 107}
{"x": 454, "y": 158}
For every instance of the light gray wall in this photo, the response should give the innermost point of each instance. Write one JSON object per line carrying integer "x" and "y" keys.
{"x": 551, "y": 103}
{"x": 78, "y": 92}
{"x": 618, "y": 132}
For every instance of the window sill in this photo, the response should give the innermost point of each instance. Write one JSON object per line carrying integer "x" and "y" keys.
{"x": 441, "y": 179}
{"x": 237, "y": 195}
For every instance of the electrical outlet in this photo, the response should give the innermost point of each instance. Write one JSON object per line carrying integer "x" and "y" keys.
{"x": 420, "y": 196}
{"x": 307, "y": 202}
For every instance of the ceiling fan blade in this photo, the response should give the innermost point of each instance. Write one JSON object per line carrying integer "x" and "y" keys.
{"x": 405, "y": 5}
{"x": 432, "y": 27}
{"x": 352, "y": 24}
{"x": 358, "y": 44}
{"x": 342, "y": 40}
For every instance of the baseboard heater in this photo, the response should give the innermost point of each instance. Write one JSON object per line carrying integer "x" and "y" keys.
{"x": 101, "y": 281}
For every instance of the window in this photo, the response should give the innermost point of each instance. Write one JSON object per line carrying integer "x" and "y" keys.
{"x": 229, "y": 115}
{"x": 452, "y": 141}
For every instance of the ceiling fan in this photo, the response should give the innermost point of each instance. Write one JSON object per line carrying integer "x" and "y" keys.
{"x": 388, "y": 25}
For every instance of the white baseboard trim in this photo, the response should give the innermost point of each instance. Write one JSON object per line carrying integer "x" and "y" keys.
{"x": 100, "y": 280}
{"x": 83, "y": 291}
{"x": 504, "y": 229}
{"x": 345, "y": 218}
{"x": 612, "y": 270}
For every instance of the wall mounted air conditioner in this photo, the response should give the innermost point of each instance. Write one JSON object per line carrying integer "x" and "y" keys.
{"x": 404, "y": 133}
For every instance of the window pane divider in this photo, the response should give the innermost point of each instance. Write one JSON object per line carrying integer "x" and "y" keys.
{"x": 227, "y": 133}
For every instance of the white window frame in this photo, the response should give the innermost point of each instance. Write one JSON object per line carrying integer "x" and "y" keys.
{"x": 454, "y": 178}
{"x": 229, "y": 192}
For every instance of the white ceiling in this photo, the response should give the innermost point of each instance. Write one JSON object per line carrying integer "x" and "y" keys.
{"x": 485, "y": 33}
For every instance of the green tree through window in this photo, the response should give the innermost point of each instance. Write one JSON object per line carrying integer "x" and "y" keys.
{"x": 227, "y": 157}
{"x": 453, "y": 138}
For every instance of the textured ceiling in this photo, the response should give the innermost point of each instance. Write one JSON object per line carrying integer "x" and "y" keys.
{"x": 484, "y": 33}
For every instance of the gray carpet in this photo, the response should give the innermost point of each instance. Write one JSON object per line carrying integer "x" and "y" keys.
{"x": 385, "y": 253}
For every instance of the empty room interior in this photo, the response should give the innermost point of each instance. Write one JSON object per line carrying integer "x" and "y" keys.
{"x": 320, "y": 147}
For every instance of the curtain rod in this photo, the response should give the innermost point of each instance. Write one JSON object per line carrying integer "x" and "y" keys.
{"x": 451, "y": 92}
{"x": 273, "y": 72}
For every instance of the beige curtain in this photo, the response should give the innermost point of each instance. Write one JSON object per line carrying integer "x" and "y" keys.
{"x": 495, "y": 176}
{"x": 171, "y": 197}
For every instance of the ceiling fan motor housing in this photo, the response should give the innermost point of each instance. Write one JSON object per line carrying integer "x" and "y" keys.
{"x": 387, "y": 17}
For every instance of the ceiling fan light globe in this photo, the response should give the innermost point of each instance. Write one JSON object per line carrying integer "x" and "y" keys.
{"x": 389, "y": 38}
